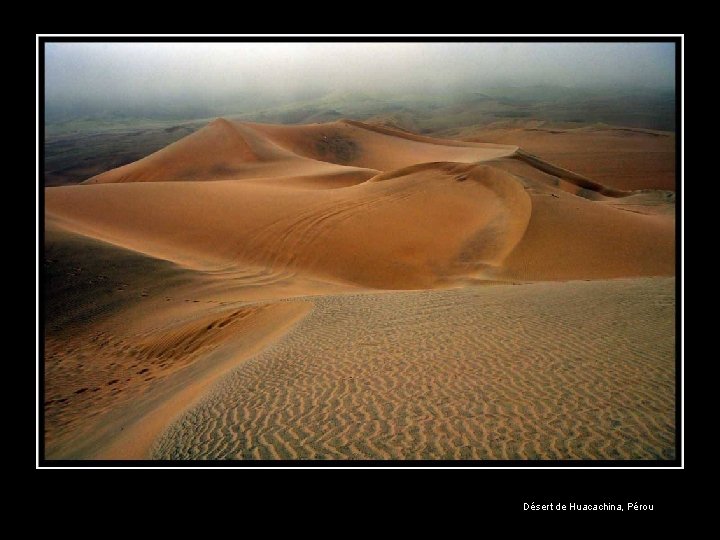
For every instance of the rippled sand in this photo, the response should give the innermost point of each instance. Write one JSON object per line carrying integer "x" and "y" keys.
{"x": 572, "y": 370}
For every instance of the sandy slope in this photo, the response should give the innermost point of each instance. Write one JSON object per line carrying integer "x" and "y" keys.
{"x": 363, "y": 145}
{"x": 577, "y": 370}
{"x": 157, "y": 286}
{"x": 408, "y": 231}
{"x": 623, "y": 158}
{"x": 130, "y": 341}
{"x": 350, "y": 151}
{"x": 417, "y": 227}
{"x": 223, "y": 150}
{"x": 475, "y": 372}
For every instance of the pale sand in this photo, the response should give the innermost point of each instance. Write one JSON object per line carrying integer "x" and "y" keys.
{"x": 576, "y": 370}
{"x": 157, "y": 287}
{"x": 144, "y": 419}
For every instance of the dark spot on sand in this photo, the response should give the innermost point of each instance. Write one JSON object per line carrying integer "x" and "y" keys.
{"x": 337, "y": 148}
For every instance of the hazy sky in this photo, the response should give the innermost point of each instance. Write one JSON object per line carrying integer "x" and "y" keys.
{"x": 123, "y": 73}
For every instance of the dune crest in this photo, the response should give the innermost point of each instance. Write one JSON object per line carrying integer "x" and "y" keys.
{"x": 371, "y": 206}
{"x": 231, "y": 150}
{"x": 618, "y": 157}
{"x": 225, "y": 150}
{"x": 416, "y": 230}
{"x": 424, "y": 226}
{"x": 362, "y": 145}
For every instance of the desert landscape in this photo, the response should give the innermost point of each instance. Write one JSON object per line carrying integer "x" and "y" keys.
{"x": 347, "y": 289}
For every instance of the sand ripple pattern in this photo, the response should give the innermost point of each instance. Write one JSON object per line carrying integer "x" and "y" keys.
{"x": 576, "y": 370}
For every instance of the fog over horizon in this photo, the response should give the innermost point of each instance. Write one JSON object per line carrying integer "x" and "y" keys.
{"x": 87, "y": 77}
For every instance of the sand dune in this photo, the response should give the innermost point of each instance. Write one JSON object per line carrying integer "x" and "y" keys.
{"x": 167, "y": 273}
{"x": 469, "y": 373}
{"x": 410, "y": 231}
{"x": 621, "y": 158}
{"x": 361, "y": 145}
{"x": 130, "y": 341}
{"x": 225, "y": 150}
{"x": 418, "y": 227}
{"x": 352, "y": 151}
{"x": 543, "y": 371}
